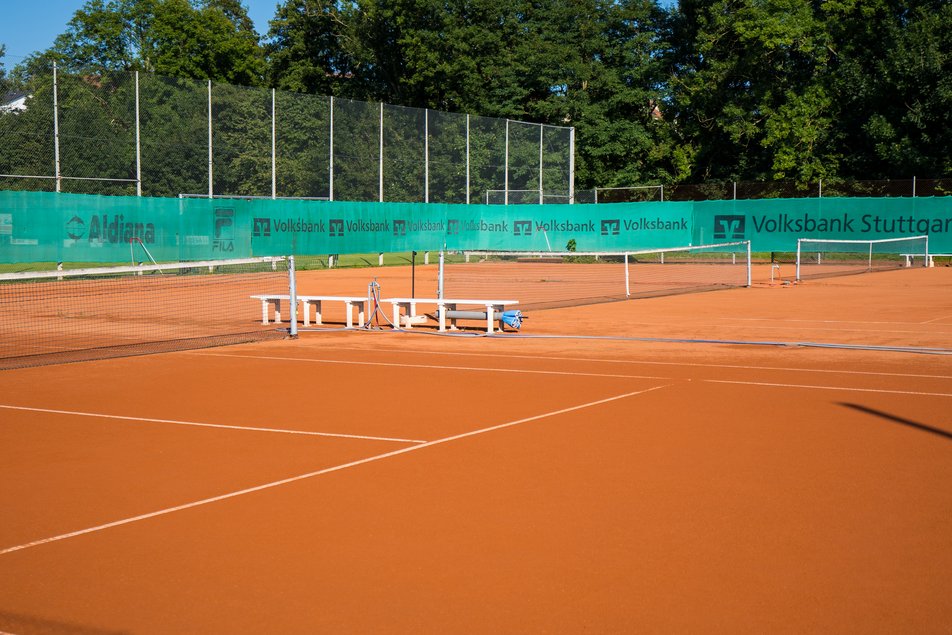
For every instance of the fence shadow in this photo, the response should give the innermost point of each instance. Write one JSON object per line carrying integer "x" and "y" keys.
{"x": 900, "y": 420}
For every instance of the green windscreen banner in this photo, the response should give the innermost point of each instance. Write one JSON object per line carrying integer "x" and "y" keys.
{"x": 50, "y": 227}
{"x": 776, "y": 224}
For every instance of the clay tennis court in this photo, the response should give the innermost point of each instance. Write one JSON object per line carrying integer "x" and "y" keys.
{"x": 771, "y": 459}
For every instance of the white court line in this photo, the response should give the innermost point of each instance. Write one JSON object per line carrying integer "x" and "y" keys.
{"x": 209, "y": 425}
{"x": 636, "y": 361}
{"x": 843, "y": 388}
{"x": 428, "y": 366}
{"x": 944, "y": 317}
{"x": 336, "y": 468}
{"x": 769, "y": 319}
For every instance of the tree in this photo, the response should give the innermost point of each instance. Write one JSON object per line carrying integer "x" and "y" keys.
{"x": 889, "y": 78}
{"x": 749, "y": 91}
{"x": 213, "y": 39}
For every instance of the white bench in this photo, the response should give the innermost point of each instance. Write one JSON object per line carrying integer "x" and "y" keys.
{"x": 349, "y": 303}
{"x": 442, "y": 306}
{"x": 306, "y": 301}
{"x": 910, "y": 258}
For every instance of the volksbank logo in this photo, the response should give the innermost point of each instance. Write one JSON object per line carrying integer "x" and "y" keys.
{"x": 522, "y": 228}
{"x": 399, "y": 227}
{"x": 452, "y": 227}
{"x": 611, "y": 227}
{"x": 336, "y": 226}
{"x": 262, "y": 227}
{"x": 730, "y": 226}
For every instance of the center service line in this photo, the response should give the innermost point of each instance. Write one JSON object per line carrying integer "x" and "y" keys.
{"x": 336, "y": 468}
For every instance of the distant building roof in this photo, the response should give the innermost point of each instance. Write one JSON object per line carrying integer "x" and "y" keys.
{"x": 13, "y": 102}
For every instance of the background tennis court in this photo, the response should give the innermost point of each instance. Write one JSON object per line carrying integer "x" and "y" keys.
{"x": 621, "y": 479}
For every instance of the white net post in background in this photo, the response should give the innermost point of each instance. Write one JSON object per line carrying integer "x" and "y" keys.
{"x": 820, "y": 258}
{"x": 50, "y": 317}
{"x": 547, "y": 279}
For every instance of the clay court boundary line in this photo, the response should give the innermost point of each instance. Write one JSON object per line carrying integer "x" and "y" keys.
{"x": 635, "y": 361}
{"x": 328, "y": 470}
{"x": 430, "y": 366}
{"x": 844, "y": 388}
{"x": 76, "y": 413}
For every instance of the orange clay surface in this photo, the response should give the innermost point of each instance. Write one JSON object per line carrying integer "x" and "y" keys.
{"x": 378, "y": 482}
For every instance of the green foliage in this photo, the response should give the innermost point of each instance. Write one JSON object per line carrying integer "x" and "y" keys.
{"x": 213, "y": 39}
{"x": 705, "y": 91}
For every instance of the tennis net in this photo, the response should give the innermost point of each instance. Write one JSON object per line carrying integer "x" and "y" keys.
{"x": 820, "y": 258}
{"x": 83, "y": 314}
{"x": 541, "y": 280}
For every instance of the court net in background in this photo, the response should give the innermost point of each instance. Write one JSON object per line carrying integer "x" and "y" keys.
{"x": 820, "y": 258}
{"x": 540, "y": 280}
{"x": 83, "y": 314}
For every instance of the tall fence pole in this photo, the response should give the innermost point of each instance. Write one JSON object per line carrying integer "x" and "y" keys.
{"x": 572, "y": 165}
{"x": 913, "y": 187}
{"x": 467, "y": 159}
{"x": 56, "y": 144}
{"x": 506, "y": 186}
{"x": 426, "y": 155}
{"x": 138, "y": 143}
{"x": 330, "y": 163}
{"x": 274, "y": 146}
{"x": 380, "y": 160}
{"x": 211, "y": 191}
{"x": 541, "y": 131}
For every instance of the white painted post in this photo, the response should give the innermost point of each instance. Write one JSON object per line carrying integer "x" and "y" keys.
{"x": 138, "y": 143}
{"x": 572, "y": 165}
{"x": 467, "y": 159}
{"x": 330, "y": 163}
{"x": 426, "y": 155}
{"x": 541, "y": 130}
{"x": 380, "y": 160}
{"x": 211, "y": 191}
{"x": 274, "y": 146}
{"x": 506, "y": 190}
{"x": 56, "y": 140}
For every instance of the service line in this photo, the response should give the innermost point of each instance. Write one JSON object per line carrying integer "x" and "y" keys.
{"x": 336, "y": 468}
{"x": 843, "y": 388}
{"x": 313, "y": 360}
{"x": 97, "y": 415}
{"x": 603, "y": 360}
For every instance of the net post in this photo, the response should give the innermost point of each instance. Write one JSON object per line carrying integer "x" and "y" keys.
{"x": 292, "y": 294}
{"x": 869, "y": 264}
{"x": 798, "y": 259}
{"x": 441, "y": 276}
{"x": 927, "y": 260}
{"x": 627, "y": 278}
{"x": 748, "y": 265}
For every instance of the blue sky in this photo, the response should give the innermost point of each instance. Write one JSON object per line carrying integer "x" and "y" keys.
{"x": 27, "y": 27}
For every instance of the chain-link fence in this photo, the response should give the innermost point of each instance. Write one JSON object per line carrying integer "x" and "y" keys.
{"x": 755, "y": 190}
{"x": 132, "y": 133}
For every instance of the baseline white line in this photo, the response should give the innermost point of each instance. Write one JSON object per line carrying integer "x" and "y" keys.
{"x": 210, "y": 425}
{"x": 944, "y": 317}
{"x": 428, "y": 366}
{"x": 844, "y": 388}
{"x": 328, "y": 470}
{"x": 631, "y": 361}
